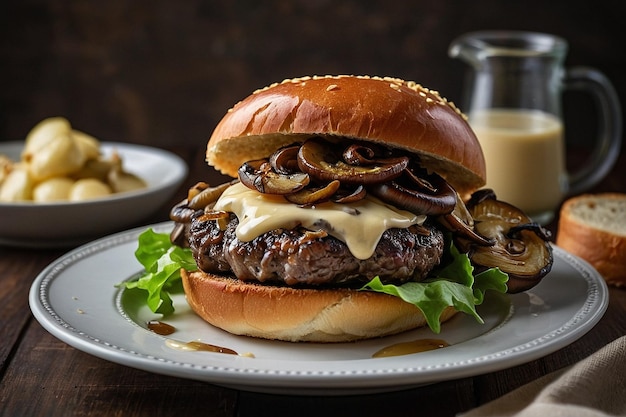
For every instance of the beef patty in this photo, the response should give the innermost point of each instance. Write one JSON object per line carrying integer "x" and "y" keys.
{"x": 302, "y": 257}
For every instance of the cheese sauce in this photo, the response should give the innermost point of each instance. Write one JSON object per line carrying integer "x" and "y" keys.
{"x": 359, "y": 225}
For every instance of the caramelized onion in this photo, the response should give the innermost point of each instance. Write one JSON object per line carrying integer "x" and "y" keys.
{"x": 209, "y": 195}
{"x": 196, "y": 189}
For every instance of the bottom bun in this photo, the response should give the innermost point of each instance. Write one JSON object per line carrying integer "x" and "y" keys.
{"x": 299, "y": 315}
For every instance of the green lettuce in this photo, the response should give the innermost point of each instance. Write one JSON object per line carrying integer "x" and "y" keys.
{"x": 451, "y": 284}
{"x": 162, "y": 262}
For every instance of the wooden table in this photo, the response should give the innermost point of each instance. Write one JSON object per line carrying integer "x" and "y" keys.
{"x": 42, "y": 376}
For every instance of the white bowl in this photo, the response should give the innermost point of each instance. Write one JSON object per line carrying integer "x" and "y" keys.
{"x": 62, "y": 224}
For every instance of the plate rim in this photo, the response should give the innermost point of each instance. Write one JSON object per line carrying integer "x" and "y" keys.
{"x": 392, "y": 374}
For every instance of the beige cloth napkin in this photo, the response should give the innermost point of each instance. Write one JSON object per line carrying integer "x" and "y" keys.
{"x": 594, "y": 387}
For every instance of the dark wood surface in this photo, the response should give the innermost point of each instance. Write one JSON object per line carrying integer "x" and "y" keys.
{"x": 42, "y": 376}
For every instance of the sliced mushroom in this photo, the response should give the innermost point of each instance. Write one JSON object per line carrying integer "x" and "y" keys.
{"x": 249, "y": 172}
{"x": 461, "y": 223}
{"x": 464, "y": 233}
{"x": 480, "y": 196}
{"x": 285, "y": 160}
{"x": 417, "y": 176}
{"x": 258, "y": 175}
{"x": 521, "y": 247}
{"x": 415, "y": 200}
{"x": 540, "y": 231}
{"x": 319, "y": 159}
{"x": 313, "y": 195}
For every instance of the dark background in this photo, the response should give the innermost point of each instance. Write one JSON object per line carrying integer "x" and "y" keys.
{"x": 163, "y": 72}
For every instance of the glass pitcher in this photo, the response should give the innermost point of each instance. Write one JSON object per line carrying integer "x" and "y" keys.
{"x": 513, "y": 102}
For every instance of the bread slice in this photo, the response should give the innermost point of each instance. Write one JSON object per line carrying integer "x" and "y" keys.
{"x": 593, "y": 226}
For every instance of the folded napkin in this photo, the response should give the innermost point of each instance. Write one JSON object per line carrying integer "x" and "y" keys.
{"x": 594, "y": 387}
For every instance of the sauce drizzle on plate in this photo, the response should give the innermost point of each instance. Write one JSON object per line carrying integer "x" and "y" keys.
{"x": 407, "y": 348}
{"x": 196, "y": 346}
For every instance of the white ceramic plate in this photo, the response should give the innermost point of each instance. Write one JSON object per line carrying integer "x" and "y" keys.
{"x": 76, "y": 300}
{"x": 67, "y": 224}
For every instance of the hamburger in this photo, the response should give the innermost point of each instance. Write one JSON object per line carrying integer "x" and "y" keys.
{"x": 355, "y": 212}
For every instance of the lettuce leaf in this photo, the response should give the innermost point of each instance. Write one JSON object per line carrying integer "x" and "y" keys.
{"x": 162, "y": 262}
{"x": 452, "y": 284}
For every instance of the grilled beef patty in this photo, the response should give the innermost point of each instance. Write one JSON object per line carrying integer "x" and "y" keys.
{"x": 302, "y": 257}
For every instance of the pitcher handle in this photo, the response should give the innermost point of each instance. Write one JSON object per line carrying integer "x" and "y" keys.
{"x": 609, "y": 139}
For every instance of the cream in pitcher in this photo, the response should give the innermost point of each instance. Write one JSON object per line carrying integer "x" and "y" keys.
{"x": 524, "y": 154}
{"x": 513, "y": 101}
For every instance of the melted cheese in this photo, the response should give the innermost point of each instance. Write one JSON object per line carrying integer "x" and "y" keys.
{"x": 359, "y": 225}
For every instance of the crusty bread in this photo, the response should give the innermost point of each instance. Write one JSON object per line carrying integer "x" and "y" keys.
{"x": 298, "y": 315}
{"x": 593, "y": 226}
{"x": 400, "y": 113}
